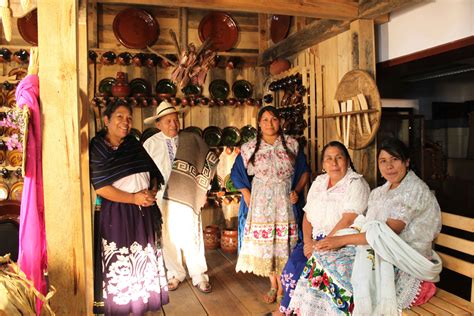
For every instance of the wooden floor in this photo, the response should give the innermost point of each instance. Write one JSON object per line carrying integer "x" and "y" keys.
{"x": 232, "y": 293}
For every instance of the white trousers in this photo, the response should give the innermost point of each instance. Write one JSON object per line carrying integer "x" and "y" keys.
{"x": 182, "y": 231}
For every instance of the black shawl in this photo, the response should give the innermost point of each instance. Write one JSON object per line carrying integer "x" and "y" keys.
{"x": 108, "y": 165}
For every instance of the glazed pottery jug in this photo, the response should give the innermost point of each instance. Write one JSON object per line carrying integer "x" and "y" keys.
{"x": 121, "y": 88}
{"x": 229, "y": 240}
{"x": 211, "y": 237}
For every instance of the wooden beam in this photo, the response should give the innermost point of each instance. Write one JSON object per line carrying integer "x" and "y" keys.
{"x": 325, "y": 9}
{"x": 262, "y": 32}
{"x": 316, "y": 32}
{"x": 371, "y": 9}
{"x": 65, "y": 142}
{"x": 321, "y": 30}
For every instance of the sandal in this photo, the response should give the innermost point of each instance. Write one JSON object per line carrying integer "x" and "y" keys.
{"x": 270, "y": 297}
{"x": 173, "y": 284}
{"x": 204, "y": 287}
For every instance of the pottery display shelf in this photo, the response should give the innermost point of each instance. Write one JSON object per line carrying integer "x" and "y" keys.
{"x": 145, "y": 101}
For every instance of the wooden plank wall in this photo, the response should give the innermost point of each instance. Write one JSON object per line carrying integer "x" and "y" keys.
{"x": 353, "y": 49}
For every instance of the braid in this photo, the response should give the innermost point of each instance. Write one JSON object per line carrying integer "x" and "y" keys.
{"x": 290, "y": 154}
{"x": 257, "y": 146}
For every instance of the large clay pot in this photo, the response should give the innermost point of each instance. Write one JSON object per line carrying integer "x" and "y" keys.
{"x": 211, "y": 237}
{"x": 229, "y": 240}
{"x": 121, "y": 88}
{"x": 278, "y": 66}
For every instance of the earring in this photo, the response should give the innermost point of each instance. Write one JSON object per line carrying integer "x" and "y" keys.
{"x": 324, "y": 171}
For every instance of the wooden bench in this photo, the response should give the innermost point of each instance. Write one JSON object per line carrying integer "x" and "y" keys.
{"x": 445, "y": 303}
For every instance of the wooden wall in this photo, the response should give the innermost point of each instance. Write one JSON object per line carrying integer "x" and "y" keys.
{"x": 353, "y": 49}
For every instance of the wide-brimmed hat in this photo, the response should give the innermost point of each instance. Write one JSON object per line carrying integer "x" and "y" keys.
{"x": 163, "y": 109}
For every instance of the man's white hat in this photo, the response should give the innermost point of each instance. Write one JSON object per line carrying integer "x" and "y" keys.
{"x": 163, "y": 109}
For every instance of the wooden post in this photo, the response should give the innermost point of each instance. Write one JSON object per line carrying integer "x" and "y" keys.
{"x": 65, "y": 115}
{"x": 363, "y": 57}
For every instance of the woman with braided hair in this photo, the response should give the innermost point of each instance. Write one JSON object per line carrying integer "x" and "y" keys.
{"x": 270, "y": 229}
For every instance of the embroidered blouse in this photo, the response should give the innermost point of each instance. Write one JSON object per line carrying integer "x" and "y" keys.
{"x": 271, "y": 161}
{"x": 325, "y": 207}
{"x": 413, "y": 203}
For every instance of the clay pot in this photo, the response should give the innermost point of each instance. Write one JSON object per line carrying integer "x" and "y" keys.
{"x": 211, "y": 237}
{"x": 121, "y": 88}
{"x": 108, "y": 58}
{"x": 229, "y": 240}
{"x": 278, "y": 66}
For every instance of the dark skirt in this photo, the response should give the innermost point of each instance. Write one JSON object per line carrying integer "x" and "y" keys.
{"x": 291, "y": 274}
{"x": 132, "y": 276}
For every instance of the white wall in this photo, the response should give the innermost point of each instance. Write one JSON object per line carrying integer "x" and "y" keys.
{"x": 424, "y": 26}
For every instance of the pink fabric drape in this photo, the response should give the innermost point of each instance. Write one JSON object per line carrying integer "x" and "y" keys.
{"x": 32, "y": 256}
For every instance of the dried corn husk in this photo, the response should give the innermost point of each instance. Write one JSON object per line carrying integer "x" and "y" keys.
{"x": 6, "y": 15}
{"x": 17, "y": 293}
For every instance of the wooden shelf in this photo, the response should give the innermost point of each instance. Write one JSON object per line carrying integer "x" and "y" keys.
{"x": 347, "y": 113}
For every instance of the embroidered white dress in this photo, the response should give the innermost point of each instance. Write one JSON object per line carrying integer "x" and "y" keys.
{"x": 413, "y": 203}
{"x": 270, "y": 230}
{"x": 324, "y": 286}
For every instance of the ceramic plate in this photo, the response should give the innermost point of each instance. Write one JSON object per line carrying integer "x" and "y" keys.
{"x": 229, "y": 185}
{"x": 219, "y": 89}
{"x": 165, "y": 86}
{"x": 140, "y": 86}
{"x": 230, "y": 136}
{"x": 16, "y": 191}
{"x": 193, "y": 129}
{"x": 136, "y": 28}
{"x": 212, "y": 136}
{"x": 216, "y": 183}
{"x": 105, "y": 85}
{"x": 242, "y": 89}
{"x": 247, "y": 133}
{"x": 222, "y": 30}
{"x": 28, "y": 27}
{"x": 192, "y": 90}
{"x": 279, "y": 27}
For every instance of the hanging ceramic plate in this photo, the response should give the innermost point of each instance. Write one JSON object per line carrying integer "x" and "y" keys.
{"x": 212, "y": 136}
{"x": 136, "y": 28}
{"x": 219, "y": 89}
{"x": 16, "y": 191}
{"x": 221, "y": 29}
{"x": 230, "y": 136}
{"x": 3, "y": 191}
{"x": 192, "y": 90}
{"x": 242, "y": 89}
{"x": 105, "y": 85}
{"x": 216, "y": 183}
{"x": 165, "y": 86}
{"x": 229, "y": 185}
{"x": 140, "y": 86}
{"x": 193, "y": 129}
{"x": 28, "y": 27}
{"x": 279, "y": 27}
{"x": 247, "y": 133}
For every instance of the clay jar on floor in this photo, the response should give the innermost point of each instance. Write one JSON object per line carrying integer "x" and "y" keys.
{"x": 229, "y": 240}
{"x": 211, "y": 237}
